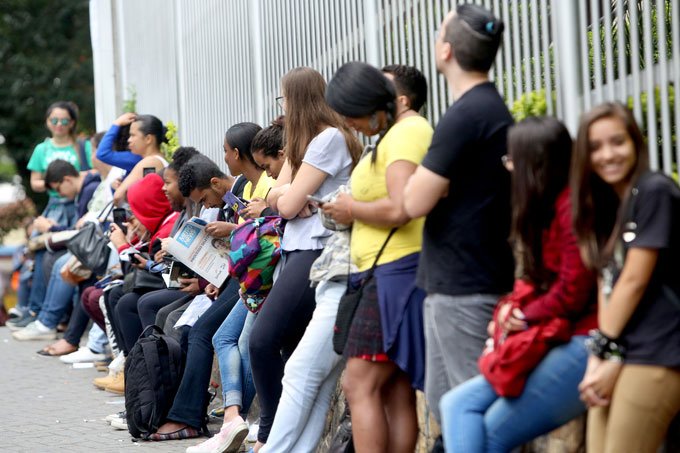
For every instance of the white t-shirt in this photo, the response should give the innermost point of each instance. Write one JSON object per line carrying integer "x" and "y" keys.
{"x": 327, "y": 152}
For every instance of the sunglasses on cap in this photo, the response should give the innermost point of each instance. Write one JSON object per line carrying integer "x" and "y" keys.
{"x": 62, "y": 121}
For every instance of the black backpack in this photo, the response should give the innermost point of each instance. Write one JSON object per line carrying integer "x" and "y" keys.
{"x": 153, "y": 372}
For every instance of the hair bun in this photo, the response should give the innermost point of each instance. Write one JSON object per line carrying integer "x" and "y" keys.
{"x": 494, "y": 27}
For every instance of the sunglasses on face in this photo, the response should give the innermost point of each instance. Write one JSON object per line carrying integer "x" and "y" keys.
{"x": 62, "y": 121}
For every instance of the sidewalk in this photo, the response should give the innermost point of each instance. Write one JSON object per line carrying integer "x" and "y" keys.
{"x": 48, "y": 406}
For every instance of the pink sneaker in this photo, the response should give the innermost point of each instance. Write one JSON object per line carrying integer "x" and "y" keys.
{"x": 228, "y": 440}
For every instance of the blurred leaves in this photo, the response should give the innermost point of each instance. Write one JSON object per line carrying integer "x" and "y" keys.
{"x": 45, "y": 56}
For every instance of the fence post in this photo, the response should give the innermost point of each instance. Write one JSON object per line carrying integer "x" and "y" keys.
{"x": 372, "y": 32}
{"x": 258, "y": 68}
{"x": 568, "y": 60}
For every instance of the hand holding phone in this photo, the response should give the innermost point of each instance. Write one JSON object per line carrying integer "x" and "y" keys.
{"x": 316, "y": 200}
{"x": 120, "y": 217}
{"x": 148, "y": 170}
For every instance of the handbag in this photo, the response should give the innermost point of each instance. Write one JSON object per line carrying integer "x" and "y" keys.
{"x": 349, "y": 303}
{"x": 59, "y": 240}
{"x": 91, "y": 245}
{"x": 509, "y": 360}
{"x": 73, "y": 271}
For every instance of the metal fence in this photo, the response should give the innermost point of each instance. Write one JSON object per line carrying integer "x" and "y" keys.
{"x": 212, "y": 63}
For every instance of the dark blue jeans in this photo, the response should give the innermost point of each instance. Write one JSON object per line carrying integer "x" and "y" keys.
{"x": 191, "y": 400}
{"x": 38, "y": 286}
{"x": 58, "y": 297}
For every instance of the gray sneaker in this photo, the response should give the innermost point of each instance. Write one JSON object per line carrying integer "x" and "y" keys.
{"x": 20, "y": 323}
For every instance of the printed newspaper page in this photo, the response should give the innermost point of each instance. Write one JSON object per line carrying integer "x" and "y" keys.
{"x": 200, "y": 252}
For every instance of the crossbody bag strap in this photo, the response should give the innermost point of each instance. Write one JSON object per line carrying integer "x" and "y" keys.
{"x": 380, "y": 252}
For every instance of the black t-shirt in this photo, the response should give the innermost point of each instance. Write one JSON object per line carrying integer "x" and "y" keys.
{"x": 652, "y": 336}
{"x": 465, "y": 240}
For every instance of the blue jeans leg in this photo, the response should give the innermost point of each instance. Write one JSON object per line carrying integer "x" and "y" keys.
{"x": 38, "y": 286}
{"x": 58, "y": 296}
{"x": 191, "y": 402}
{"x": 246, "y": 370}
{"x": 225, "y": 342}
{"x": 475, "y": 419}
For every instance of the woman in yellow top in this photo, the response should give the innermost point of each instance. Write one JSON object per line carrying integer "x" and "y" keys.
{"x": 385, "y": 347}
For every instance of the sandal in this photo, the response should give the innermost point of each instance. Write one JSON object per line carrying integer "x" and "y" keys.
{"x": 183, "y": 433}
{"x": 50, "y": 351}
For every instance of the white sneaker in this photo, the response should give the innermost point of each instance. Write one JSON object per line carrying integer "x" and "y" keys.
{"x": 82, "y": 355}
{"x": 117, "y": 364}
{"x": 35, "y": 331}
{"x": 227, "y": 440}
{"x": 252, "y": 432}
{"x": 117, "y": 416}
{"x": 119, "y": 423}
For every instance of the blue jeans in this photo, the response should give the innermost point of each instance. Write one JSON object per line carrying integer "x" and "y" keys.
{"x": 476, "y": 419}
{"x": 191, "y": 400}
{"x": 58, "y": 296}
{"x": 38, "y": 286}
{"x": 310, "y": 378}
{"x": 238, "y": 388}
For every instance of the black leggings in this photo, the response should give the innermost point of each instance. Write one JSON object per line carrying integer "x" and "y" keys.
{"x": 278, "y": 328}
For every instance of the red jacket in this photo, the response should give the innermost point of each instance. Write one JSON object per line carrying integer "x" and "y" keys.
{"x": 571, "y": 295}
{"x": 151, "y": 207}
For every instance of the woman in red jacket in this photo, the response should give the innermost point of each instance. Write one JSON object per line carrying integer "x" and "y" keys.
{"x": 554, "y": 284}
{"x": 152, "y": 219}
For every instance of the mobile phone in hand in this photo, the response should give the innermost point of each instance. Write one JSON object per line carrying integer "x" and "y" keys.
{"x": 148, "y": 170}
{"x": 316, "y": 200}
{"x": 120, "y": 217}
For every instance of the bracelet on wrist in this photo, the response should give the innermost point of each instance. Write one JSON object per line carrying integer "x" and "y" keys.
{"x": 605, "y": 348}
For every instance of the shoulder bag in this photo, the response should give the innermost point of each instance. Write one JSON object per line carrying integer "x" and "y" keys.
{"x": 349, "y": 303}
{"x": 91, "y": 245}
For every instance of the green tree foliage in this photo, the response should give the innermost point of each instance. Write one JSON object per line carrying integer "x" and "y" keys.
{"x": 45, "y": 56}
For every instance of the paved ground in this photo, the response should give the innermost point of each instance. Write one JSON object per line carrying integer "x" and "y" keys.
{"x": 47, "y": 406}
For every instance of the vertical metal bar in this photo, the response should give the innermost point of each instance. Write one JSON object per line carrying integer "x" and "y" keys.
{"x": 499, "y": 66}
{"x": 371, "y": 32}
{"x": 609, "y": 50}
{"x": 649, "y": 86}
{"x": 635, "y": 61}
{"x": 419, "y": 41}
{"x": 516, "y": 52}
{"x": 567, "y": 59}
{"x": 675, "y": 27}
{"x": 431, "y": 70}
{"x": 409, "y": 29}
{"x": 402, "y": 37}
{"x": 547, "y": 71}
{"x": 255, "y": 30}
{"x": 507, "y": 51}
{"x": 621, "y": 35}
{"x": 536, "y": 53}
{"x": 597, "y": 49}
{"x": 525, "y": 45}
{"x": 663, "y": 88}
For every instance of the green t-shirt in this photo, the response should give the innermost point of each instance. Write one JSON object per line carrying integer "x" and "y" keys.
{"x": 46, "y": 152}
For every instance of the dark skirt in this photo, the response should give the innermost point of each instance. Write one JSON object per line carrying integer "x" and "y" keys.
{"x": 389, "y": 318}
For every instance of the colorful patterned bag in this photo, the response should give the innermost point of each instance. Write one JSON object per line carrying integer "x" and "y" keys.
{"x": 255, "y": 250}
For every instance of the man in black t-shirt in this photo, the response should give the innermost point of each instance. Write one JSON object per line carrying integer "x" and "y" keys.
{"x": 463, "y": 188}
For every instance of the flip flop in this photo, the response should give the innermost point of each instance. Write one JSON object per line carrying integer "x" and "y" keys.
{"x": 48, "y": 351}
{"x": 183, "y": 433}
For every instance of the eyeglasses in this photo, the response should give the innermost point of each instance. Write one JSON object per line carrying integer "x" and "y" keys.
{"x": 62, "y": 121}
{"x": 279, "y": 101}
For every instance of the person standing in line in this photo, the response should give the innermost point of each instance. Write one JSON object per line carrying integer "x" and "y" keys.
{"x": 385, "y": 347}
{"x": 627, "y": 222}
{"x": 320, "y": 154}
{"x": 461, "y": 186}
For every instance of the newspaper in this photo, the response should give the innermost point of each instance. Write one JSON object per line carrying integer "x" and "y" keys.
{"x": 200, "y": 252}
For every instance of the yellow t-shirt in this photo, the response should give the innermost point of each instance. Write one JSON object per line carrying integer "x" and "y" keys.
{"x": 407, "y": 140}
{"x": 261, "y": 190}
